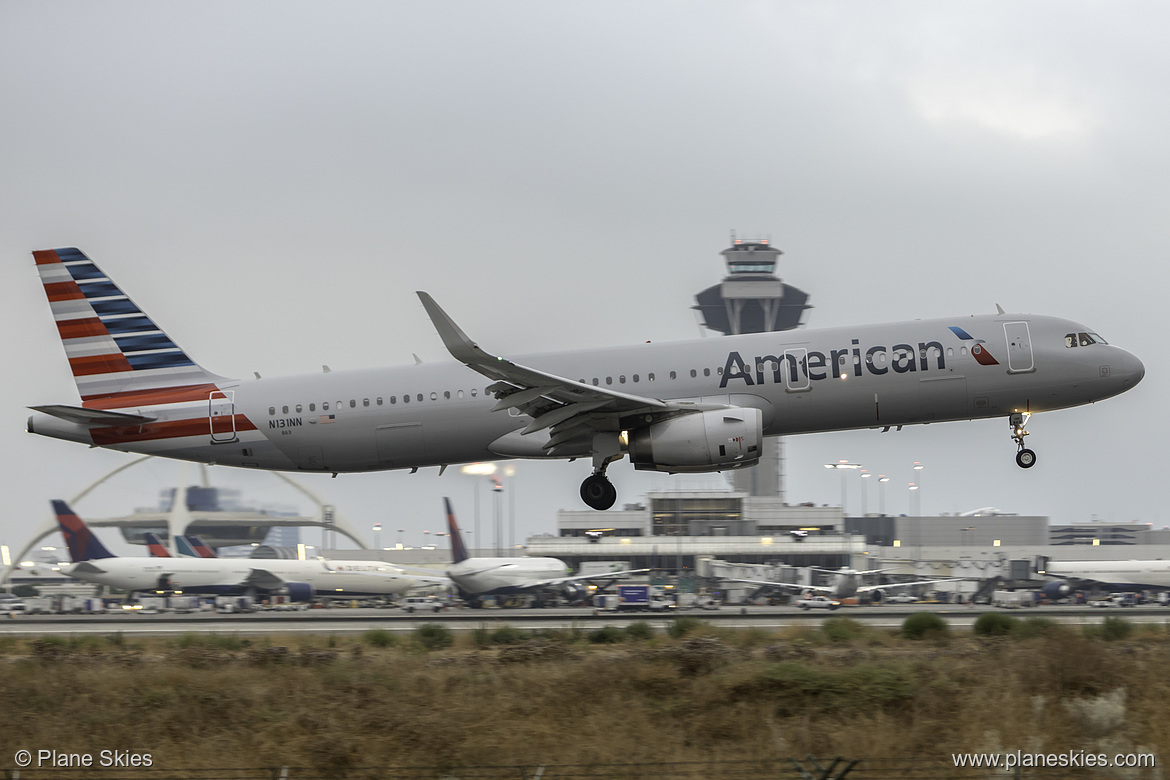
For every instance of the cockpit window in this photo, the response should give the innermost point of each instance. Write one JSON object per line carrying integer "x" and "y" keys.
{"x": 1083, "y": 339}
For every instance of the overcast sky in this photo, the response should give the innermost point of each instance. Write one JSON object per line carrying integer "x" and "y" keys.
{"x": 271, "y": 181}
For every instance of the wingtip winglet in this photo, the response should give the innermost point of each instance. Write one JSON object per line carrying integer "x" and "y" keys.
{"x": 454, "y": 339}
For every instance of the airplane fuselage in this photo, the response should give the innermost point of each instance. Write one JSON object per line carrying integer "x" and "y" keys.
{"x": 228, "y": 576}
{"x": 804, "y": 381}
{"x": 487, "y": 576}
{"x": 1117, "y": 575}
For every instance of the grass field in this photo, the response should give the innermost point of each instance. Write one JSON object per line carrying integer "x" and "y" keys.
{"x": 499, "y": 695}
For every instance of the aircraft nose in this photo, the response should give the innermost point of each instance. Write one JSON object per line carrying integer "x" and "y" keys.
{"x": 1130, "y": 369}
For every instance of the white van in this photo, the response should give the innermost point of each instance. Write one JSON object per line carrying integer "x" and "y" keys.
{"x": 421, "y": 603}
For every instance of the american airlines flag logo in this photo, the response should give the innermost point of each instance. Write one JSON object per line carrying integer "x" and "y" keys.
{"x": 326, "y": 418}
{"x": 978, "y": 350}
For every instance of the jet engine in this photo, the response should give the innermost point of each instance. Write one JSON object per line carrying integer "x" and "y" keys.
{"x": 713, "y": 440}
{"x": 299, "y": 591}
{"x": 574, "y": 593}
{"x": 1056, "y": 590}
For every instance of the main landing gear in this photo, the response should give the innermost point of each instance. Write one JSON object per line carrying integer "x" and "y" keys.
{"x": 1025, "y": 458}
{"x": 597, "y": 491}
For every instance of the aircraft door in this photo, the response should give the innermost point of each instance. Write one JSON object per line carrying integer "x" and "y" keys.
{"x": 221, "y": 414}
{"x": 795, "y": 370}
{"x": 1019, "y": 346}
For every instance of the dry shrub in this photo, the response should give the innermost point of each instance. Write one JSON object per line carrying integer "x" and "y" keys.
{"x": 693, "y": 699}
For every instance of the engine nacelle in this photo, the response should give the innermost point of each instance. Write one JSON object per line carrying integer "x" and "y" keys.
{"x": 299, "y": 591}
{"x": 1056, "y": 590}
{"x": 714, "y": 440}
{"x": 574, "y": 593}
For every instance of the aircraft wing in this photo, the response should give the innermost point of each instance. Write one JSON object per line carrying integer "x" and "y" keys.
{"x": 609, "y": 575}
{"x": 786, "y": 586}
{"x": 568, "y": 407}
{"x": 888, "y": 586}
{"x": 262, "y": 579}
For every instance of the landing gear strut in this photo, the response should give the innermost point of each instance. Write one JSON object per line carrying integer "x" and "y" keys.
{"x": 597, "y": 491}
{"x": 1025, "y": 458}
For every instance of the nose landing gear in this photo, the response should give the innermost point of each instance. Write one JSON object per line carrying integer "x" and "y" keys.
{"x": 1025, "y": 458}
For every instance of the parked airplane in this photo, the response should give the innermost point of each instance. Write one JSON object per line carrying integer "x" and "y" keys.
{"x": 477, "y": 577}
{"x": 299, "y": 580}
{"x": 1132, "y": 575}
{"x": 692, "y": 406}
{"x": 846, "y": 583}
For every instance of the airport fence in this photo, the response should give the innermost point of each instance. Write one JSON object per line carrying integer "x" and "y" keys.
{"x": 774, "y": 769}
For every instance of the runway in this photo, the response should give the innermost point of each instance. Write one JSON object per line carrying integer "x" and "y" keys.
{"x": 348, "y": 621}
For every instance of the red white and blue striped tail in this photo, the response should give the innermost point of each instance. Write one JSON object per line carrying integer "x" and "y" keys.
{"x": 113, "y": 348}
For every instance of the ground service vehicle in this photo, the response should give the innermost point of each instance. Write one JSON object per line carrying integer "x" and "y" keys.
{"x": 421, "y": 604}
{"x": 817, "y": 602}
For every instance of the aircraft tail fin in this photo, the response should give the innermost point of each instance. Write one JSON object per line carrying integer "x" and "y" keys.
{"x": 201, "y": 548}
{"x": 156, "y": 547}
{"x": 113, "y": 348}
{"x": 193, "y": 547}
{"x": 458, "y": 550}
{"x": 82, "y": 544}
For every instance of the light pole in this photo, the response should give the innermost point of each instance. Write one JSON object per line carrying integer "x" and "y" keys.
{"x": 910, "y": 501}
{"x": 882, "y": 480}
{"x": 377, "y": 536}
{"x": 918, "y": 479}
{"x": 478, "y": 470}
{"x": 843, "y": 465}
{"x": 497, "y": 489}
{"x": 864, "y": 493}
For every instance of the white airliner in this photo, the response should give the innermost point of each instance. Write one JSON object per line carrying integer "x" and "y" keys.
{"x": 1132, "y": 575}
{"x": 477, "y": 577}
{"x": 300, "y": 580}
{"x": 691, "y": 406}
{"x": 846, "y": 583}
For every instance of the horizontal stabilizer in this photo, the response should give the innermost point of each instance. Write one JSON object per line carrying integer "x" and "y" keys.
{"x": 83, "y": 416}
{"x": 87, "y": 567}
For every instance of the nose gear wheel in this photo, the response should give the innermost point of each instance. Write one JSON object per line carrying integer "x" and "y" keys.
{"x": 1025, "y": 458}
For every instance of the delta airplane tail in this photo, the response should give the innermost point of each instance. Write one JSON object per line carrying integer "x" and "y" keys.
{"x": 155, "y": 546}
{"x": 113, "y": 348}
{"x": 458, "y": 551}
{"x": 82, "y": 544}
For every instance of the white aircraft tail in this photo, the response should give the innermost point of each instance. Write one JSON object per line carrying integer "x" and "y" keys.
{"x": 113, "y": 348}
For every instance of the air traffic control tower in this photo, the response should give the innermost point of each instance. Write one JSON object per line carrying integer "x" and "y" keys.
{"x": 752, "y": 299}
